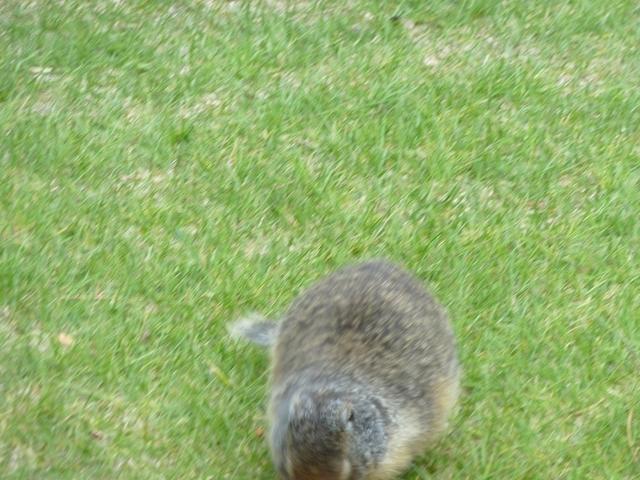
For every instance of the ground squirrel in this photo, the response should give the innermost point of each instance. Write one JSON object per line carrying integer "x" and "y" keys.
{"x": 364, "y": 375}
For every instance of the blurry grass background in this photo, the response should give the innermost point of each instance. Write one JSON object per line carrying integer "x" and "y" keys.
{"x": 167, "y": 166}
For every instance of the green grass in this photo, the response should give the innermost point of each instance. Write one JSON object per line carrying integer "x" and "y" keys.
{"x": 167, "y": 167}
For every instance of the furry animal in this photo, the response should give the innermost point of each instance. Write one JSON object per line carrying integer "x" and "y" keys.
{"x": 364, "y": 375}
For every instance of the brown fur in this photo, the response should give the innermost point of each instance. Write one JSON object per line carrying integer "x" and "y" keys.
{"x": 367, "y": 333}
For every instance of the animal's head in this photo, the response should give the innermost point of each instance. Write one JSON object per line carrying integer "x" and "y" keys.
{"x": 331, "y": 435}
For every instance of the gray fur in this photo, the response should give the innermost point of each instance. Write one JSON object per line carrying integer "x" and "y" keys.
{"x": 255, "y": 328}
{"x": 364, "y": 375}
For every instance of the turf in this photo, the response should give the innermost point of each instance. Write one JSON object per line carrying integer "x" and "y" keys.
{"x": 166, "y": 167}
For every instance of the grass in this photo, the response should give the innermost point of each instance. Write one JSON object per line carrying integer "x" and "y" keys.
{"x": 169, "y": 166}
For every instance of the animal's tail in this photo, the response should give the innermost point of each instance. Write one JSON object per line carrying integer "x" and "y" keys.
{"x": 256, "y": 329}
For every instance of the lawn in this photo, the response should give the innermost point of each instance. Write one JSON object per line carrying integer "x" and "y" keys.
{"x": 166, "y": 167}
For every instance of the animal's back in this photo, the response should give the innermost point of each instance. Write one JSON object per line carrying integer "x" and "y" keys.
{"x": 371, "y": 324}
